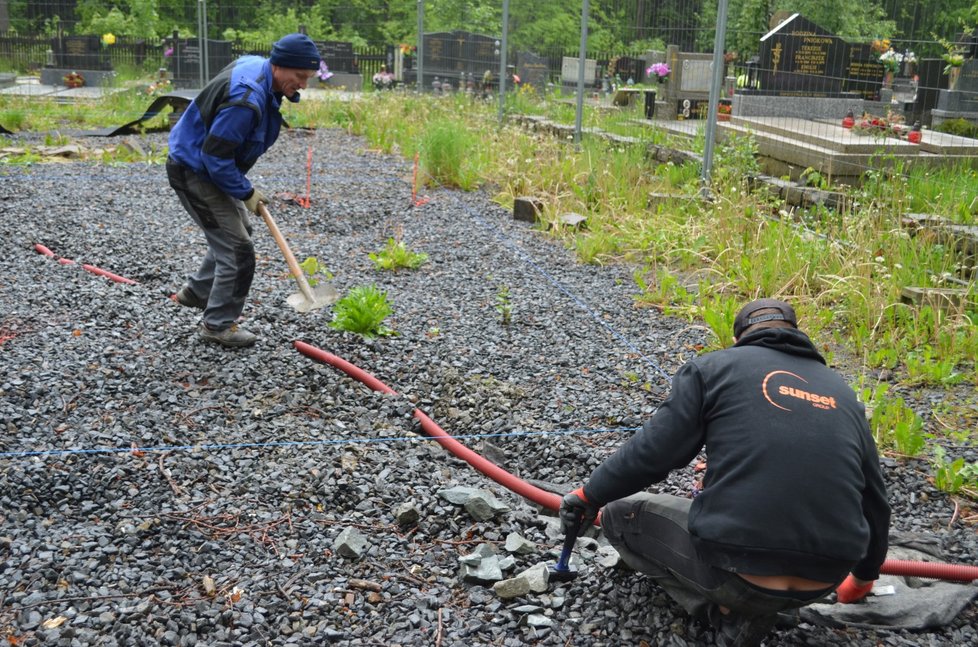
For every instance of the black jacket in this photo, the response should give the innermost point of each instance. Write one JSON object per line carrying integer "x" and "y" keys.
{"x": 793, "y": 483}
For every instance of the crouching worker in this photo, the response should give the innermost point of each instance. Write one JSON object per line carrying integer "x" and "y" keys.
{"x": 220, "y": 136}
{"x": 793, "y": 502}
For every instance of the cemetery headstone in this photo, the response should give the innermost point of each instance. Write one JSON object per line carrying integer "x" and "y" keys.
{"x": 570, "y": 66}
{"x": 630, "y": 68}
{"x": 79, "y": 56}
{"x": 80, "y": 53}
{"x": 864, "y": 72}
{"x": 342, "y": 63}
{"x": 456, "y": 55}
{"x": 800, "y": 58}
{"x": 930, "y": 81}
{"x": 185, "y": 63}
{"x": 338, "y": 56}
{"x": 695, "y": 75}
{"x": 962, "y": 102}
{"x": 533, "y": 69}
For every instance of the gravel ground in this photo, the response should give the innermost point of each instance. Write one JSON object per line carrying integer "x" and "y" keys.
{"x": 222, "y": 528}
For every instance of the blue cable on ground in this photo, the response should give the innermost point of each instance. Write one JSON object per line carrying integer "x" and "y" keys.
{"x": 295, "y": 443}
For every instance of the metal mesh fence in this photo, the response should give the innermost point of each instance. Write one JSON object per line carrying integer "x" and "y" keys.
{"x": 820, "y": 88}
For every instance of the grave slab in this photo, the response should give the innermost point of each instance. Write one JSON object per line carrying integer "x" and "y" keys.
{"x": 30, "y": 90}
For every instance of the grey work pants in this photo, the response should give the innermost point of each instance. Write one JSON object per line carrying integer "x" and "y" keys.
{"x": 225, "y": 275}
{"x": 650, "y": 532}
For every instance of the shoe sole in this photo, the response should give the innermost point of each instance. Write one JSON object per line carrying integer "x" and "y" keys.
{"x": 226, "y": 343}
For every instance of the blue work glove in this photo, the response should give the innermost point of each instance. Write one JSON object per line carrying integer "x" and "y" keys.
{"x": 576, "y": 512}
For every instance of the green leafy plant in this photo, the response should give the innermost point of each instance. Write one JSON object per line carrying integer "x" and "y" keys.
{"x": 504, "y": 305}
{"x": 16, "y": 118}
{"x": 396, "y": 255}
{"x": 894, "y": 424}
{"x": 811, "y": 177}
{"x": 954, "y": 476}
{"x": 928, "y": 366}
{"x": 363, "y": 311}
{"x": 315, "y": 271}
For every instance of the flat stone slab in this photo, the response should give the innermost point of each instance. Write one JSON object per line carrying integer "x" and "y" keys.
{"x": 826, "y": 135}
{"x": 58, "y": 92}
{"x": 30, "y": 90}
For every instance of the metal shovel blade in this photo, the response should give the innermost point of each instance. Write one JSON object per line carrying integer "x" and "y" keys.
{"x": 322, "y": 295}
{"x": 306, "y": 298}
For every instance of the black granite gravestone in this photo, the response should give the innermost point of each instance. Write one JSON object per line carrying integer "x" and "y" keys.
{"x": 457, "y": 56}
{"x": 80, "y": 53}
{"x": 459, "y": 51}
{"x": 532, "y": 69}
{"x": 964, "y": 97}
{"x": 186, "y": 60}
{"x": 338, "y": 55}
{"x": 799, "y": 58}
{"x": 864, "y": 72}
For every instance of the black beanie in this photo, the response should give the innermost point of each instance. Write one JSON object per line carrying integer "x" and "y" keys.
{"x": 296, "y": 51}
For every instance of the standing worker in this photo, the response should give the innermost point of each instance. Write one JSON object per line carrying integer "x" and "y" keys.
{"x": 231, "y": 123}
{"x": 793, "y": 501}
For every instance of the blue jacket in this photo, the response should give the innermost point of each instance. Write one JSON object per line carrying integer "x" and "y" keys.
{"x": 230, "y": 124}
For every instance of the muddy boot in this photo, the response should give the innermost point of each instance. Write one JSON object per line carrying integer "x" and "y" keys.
{"x": 231, "y": 337}
{"x": 186, "y": 297}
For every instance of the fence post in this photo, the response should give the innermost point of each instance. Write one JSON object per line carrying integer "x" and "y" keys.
{"x": 716, "y": 81}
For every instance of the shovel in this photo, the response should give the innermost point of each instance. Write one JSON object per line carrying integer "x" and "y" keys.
{"x": 307, "y": 298}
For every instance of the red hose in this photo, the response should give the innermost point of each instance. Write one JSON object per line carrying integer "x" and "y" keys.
{"x": 519, "y": 486}
{"x": 109, "y": 275}
{"x": 41, "y": 249}
{"x": 551, "y": 501}
{"x": 932, "y": 570}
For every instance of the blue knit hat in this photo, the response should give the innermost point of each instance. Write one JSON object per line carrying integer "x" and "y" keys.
{"x": 296, "y": 51}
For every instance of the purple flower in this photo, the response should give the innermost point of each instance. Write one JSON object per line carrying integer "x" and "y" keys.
{"x": 323, "y": 72}
{"x": 168, "y": 52}
{"x": 661, "y": 70}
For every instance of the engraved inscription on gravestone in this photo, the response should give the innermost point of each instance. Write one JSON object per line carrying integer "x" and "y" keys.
{"x": 338, "y": 55}
{"x": 864, "y": 72}
{"x": 800, "y": 58}
{"x": 569, "y": 68}
{"x": 457, "y": 52}
{"x": 185, "y": 64}
{"x": 80, "y": 53}
{"x": 695, "y": 75}
{"x": 533, "y": 70}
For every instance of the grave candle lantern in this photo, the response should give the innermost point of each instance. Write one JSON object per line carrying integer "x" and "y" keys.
{"x": 848, "y": 121}
{"x": 915, "y": 134}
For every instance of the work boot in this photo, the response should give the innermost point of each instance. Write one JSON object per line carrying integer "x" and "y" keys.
{"x": 733, "y": 630}
{"x": 230, "y": 337}
{"x": 186, "y": 297}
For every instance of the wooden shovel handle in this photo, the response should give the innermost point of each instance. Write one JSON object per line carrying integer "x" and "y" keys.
{"x": 300, "y": 276}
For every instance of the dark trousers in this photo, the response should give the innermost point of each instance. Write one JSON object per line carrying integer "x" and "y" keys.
{"x": 224, "y": 276}
{"x": 650, "y": 533}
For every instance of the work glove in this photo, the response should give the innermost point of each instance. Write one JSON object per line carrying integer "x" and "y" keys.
{"x": 851, "y": 591}
{"x": 252, "y": 200}
{"x": 576, "y": 512}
